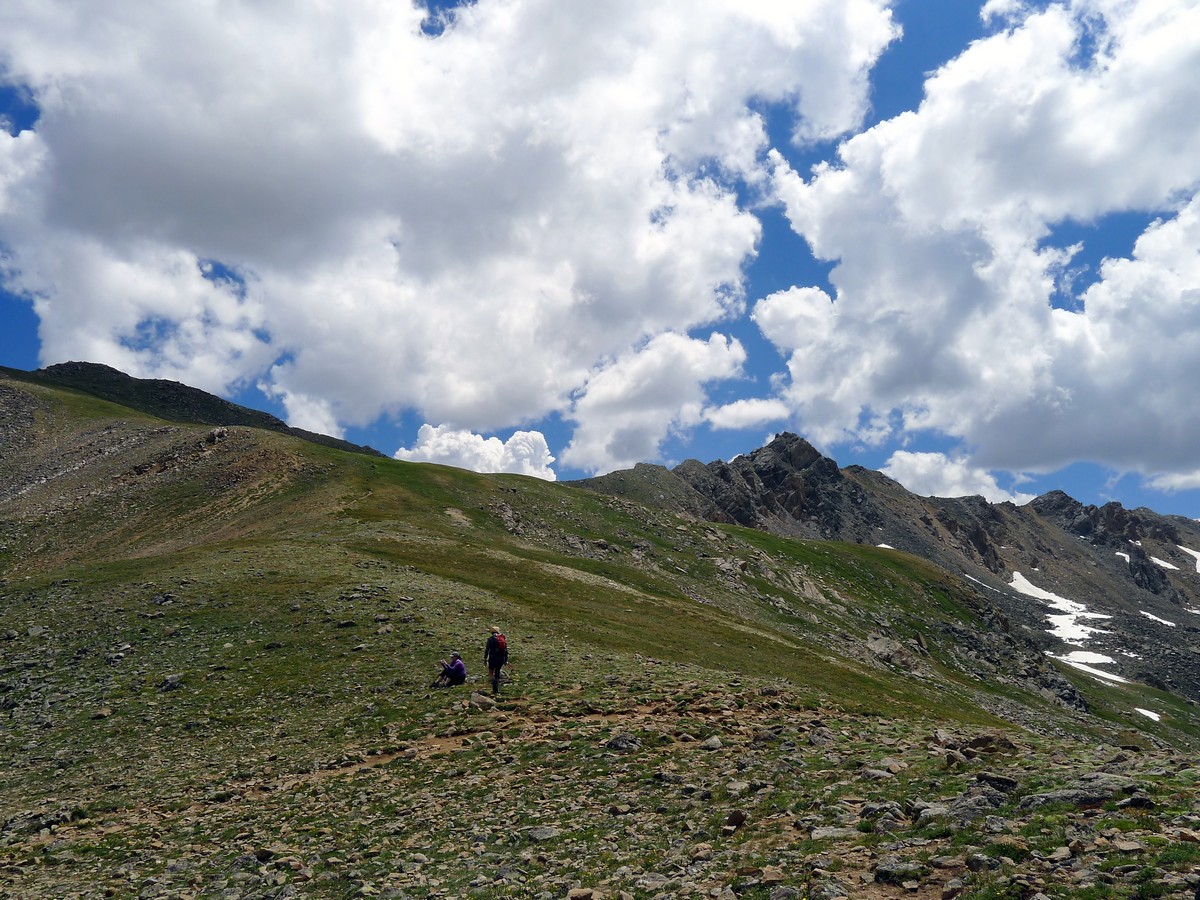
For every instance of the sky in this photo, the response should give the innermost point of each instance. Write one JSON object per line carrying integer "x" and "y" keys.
{"x": 955, "y": 241}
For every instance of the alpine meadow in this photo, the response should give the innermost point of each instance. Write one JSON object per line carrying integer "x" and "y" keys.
{"x": 218, "y": 637}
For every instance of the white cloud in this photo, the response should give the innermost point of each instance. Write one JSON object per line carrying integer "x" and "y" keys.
{"x": 525, "y": 453}
{"x": 150, "y": 310}
{"x": 469, "y": 225}
{"x": 748, "y": 413}
{"x": 21, "y": 156}
{"x": 304, "y": 411}
{"x": 1002, "y": 9}
{"x": 629, "y": 406}
{"x": 941, "y": 222}
{"x": 936, "y": 475}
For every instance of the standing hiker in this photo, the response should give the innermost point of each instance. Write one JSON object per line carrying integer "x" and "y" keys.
{"x": 495, "y": 655}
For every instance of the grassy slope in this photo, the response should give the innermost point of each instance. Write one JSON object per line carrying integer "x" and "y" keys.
{"x": 303, "y": 594}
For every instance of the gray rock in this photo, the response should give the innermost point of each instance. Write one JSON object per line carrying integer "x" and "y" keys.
{"x": 171, "y": 682}
{"x": 997, "y": 781}
{"x": 897, "y": 870}
{"x": 832, "y": 833}
{"x": 979, "y": 862}
{"x": 623, "y": 743}
{"x": 932, "y": 812}
{"x": 829, "y": 890}
{"x": 821, "y": 737}
{"x": 1092, "y": 790}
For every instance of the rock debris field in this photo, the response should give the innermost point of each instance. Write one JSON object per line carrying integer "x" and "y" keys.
{"x": 647, "y": 786}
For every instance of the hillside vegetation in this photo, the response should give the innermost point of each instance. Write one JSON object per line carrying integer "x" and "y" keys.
{"x": 216, "y": 645}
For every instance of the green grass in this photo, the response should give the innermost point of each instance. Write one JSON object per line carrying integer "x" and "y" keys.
{"x": 267, "y": 554}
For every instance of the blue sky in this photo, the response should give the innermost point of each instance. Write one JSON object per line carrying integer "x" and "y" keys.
{"x": 958, "y": 242}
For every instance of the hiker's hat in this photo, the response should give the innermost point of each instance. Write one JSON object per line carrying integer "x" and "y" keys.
{"x": 495, "y": 630}
{"x": 454, "y": 654}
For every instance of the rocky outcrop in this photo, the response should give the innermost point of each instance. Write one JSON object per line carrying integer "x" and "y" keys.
{"x": 1110, "y": 524}
{"x": 1125, "y": 564}
{"x": 787, "y": 487}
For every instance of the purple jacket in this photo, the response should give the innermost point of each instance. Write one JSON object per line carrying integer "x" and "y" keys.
{"x": 457, "y": 670}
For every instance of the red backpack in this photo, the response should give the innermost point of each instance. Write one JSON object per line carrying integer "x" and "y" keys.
{"x": 501, "y": 643}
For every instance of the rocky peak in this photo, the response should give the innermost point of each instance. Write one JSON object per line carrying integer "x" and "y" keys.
{"x": 1056, "y": 504}
{"x": 786, "y": 451}
{"x": 1132, "y": 566}
{"x": 788, "y": 487}
{"x": 85, "y": 370}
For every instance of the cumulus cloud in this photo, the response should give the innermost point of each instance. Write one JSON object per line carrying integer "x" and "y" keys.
{"x": 1181, "y": 481}
{"x": 525, "y": 453}
{"x": 631, "y": 405}
{"x": 749, "y": 413}
{"x": 942, "y": 223}
{"x": 1002, "y": 9}
{"x": 937, "y": 475}
{"x": 473, "y": 225}
{"x": 303, "y": 411}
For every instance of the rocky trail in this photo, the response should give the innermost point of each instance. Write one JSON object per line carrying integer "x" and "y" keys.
{"x": 701, "y": 793}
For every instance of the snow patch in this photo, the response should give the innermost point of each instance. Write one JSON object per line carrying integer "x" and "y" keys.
{"x": 983, "y": 585}
{"x": 1067, "y": 626}
{"x": 1096, "y": 673}
{"x": 1124, "y": 556}
{"x": 1156, "y": 618}
{"x": 1149, "y": 715}
{"x": 1086, "y": 657}
{"x": 886, "y": 546}
{"x": 1023, "y": 586}
{"x": 1192, "y": 553}
{"x": 1163, "y": 563}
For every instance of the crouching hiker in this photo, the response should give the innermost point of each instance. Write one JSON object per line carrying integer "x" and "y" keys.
{"x": 453, "y": 672}
{"x": 495, "y": 655}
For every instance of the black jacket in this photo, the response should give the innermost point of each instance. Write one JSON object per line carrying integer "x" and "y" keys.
{"x": 493, "y": 655}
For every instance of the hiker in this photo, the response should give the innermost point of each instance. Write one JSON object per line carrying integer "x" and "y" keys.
{"x": 495, "y": 655}
{"x": 453, "y": 672}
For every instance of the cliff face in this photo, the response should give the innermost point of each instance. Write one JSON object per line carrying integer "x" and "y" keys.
{"x": 1130, "y": 570}
{"x": 787, "y": 488}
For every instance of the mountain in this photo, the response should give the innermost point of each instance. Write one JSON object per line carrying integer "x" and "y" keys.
{"x": 217, "y": 641}
{"x": 168, "y": 400}
{"x": 1051, "y": 567}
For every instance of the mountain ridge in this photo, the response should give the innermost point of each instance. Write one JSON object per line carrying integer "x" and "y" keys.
{"x": 216, "y": 643}
{"x": 1088, "y": 555}
{"x": 170, "y": 400}
{"x": 1094, "y": 556}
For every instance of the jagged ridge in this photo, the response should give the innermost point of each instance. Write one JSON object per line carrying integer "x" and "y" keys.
{"x": 1102, "y": 557}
